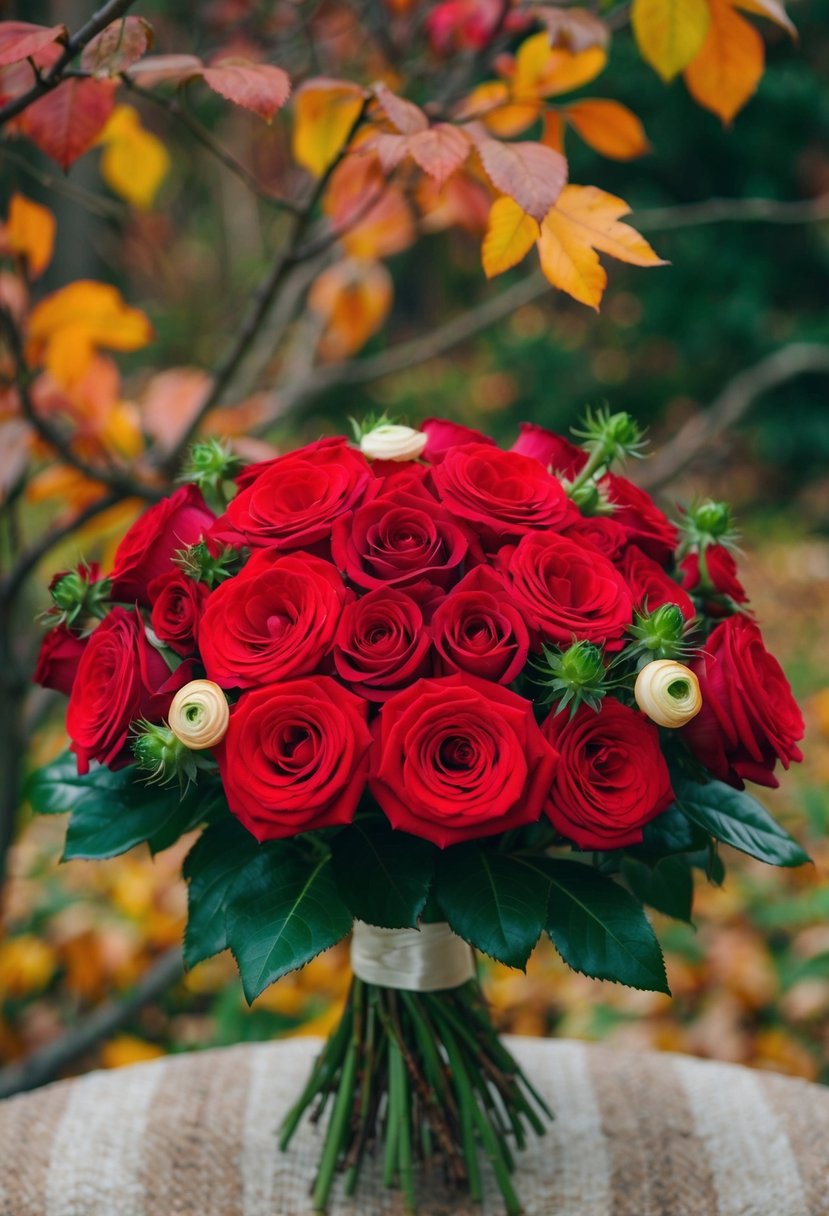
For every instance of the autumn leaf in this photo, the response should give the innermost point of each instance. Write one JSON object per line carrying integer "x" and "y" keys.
{"x": 325, "y": 112}
{"x": 68, "y": 326}
{"x": 438, "y": 150}
{"x": 510, "y": 235}
{"x": 117, "y": 47}
{"x": 372, "y": 215}
{"x": 728, "y": 69}
{"x": 170, "y": 402}
{"x": 67, "y": 121}
{"x": 30, "y": 232}
{"x": 259, "y": 87}
{"x": 584, "y": 222}
{"x": 670, "y": 33}
{"x": 462, "y": 202}
{"x": 404, "y": 116}
{"x": 528, "y": 172}
{"x": 160, "y": 69}
{"x": 608, "y": 127}
{"x": 21, "y": 40}
{"x": 545, "y": 71}
{"x": 576, "y": 29}
{"x": 775, "y": 10}
{"x": 354, "y": 299}
{"x": 134, "y": 162}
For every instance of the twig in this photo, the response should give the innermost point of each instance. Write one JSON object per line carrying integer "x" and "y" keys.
{"x": 47, "y": 1063}
{"x": 54, "y": 76}
{"x": 98, "y": 204}
{"x": 733, "y": 210}
{"x": 729, "y": 406}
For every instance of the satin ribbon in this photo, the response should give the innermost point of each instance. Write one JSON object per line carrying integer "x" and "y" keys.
{"x": 417, "y": 960}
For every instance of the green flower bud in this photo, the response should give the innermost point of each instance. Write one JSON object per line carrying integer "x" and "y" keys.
{"x": 610, "y": 436}
{"x": 573, "y": 677}
{"x": 211, "y": 465}
{"x": 210, "y": 568}
{"x": 78, "y": 595}
{"x": 660, "y": 634}
{"x": 160, "y": 757}
{"x": 707, "y": 523}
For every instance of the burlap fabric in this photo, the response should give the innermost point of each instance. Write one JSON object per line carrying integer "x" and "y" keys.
{"x": 637, "y": 1135}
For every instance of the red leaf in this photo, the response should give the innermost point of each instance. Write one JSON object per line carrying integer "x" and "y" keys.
{"x": 404, "y": 115}
{"x": 531, "y": 174}
{"x": 66, "y": 122}
{"x": 255, "y": 86}
{"x": 20, "y": 39}
{"x": 160, "y": 68}
{"x": 440, "y": 150}
{"x": 117, "y": 47}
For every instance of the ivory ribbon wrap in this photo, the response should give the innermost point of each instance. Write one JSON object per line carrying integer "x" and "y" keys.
{"x": 416, "y": 960}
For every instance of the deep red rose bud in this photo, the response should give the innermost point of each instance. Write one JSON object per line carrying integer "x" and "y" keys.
{"x": 722, "y": 574}
{"x": 442, "y": 436}
{"x": 651, "y": 586}
{"x": 479, "y": 629}
{"x": 749, "y": 718}
{"x": 601, "y": 532}
{"x": 381, "y": 644}
{"x": 553, "y": 451}
{"x": 57, "y": 662}
{"x": 645, "y": 524}
{"x": 275, "y": 620}
{"x": 178, "y": 603}
{"x": 612, "y": 778}
{"x": 458, "y": 759}
{"x": 295, "y": 757}
{"x": 152, "y": 542}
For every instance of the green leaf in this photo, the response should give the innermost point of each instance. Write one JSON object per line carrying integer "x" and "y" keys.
{"x": 283, "y": 911}
{"x": 670, "y": 832}
{"x": 493, "y": 901}
{"x": 736, "y": 818}
{"x": 600, "y": 929}
{"x": 211, "y": 868}
{"x": 383, "y": 876}
{"x": 668, "y": 886}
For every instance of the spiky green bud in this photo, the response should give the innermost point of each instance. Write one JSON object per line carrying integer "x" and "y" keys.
{"x": 211, "y": 464}
{"x": 160, "y": 757}
{"x": 573, "y": 677}
{"x": 78, "y": 596}
{"x": 210, "y": 568}
{"x": 707, "y": 523}
{"x": 660, "y": 634}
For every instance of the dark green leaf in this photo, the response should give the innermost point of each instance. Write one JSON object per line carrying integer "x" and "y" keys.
{"x": 600, "y": 929}
{"x": 493, "y": 901}
{"x": 670, "y": 832}
{"x": 57, "y": 789}
{"x": 736, "y": 818}
{"x": 211, "y": 868}
{"x": 282, "y": 912}
{"x": 668, "y": 886}
{"x": 383, "y": 875}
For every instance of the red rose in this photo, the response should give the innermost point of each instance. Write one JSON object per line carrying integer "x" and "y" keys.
{"x": 553, "y": 451}
{"x": 651, "y": 586}
{"x": 57, "y": 662}
{"x": 749, "y": 719}
{"x": 645, "y": 524}
{"x": 459, "y": 758}
{"x": 478, "y": 629}
{"x": 722, "y": 573}
{"x": 295, "y": 757}
{"x": 397, "y": 540}
{"x": 442, "y": 435}
{"x": 152, "y": 542}
{"x": 274, "y": 620}
{"x": 612, "y": 778}
{"x": 501, "y": 495}
{"x": 601, "y": 532}
{"x": 121, "y": 677}
{"x": 408, "y": 475}
{"x": 178, "y": 603}
{"x": 567, "y": 591}
{"x": 381, "y": 644}
{"x": 293, "y": 501}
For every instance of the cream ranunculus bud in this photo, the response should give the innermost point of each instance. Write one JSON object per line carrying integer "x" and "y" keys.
{"x": 393, "y": 442}
{"x": 668, "y": 692}
{"x": 199, "y": 714}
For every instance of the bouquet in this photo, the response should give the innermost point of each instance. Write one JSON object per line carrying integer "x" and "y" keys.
{"x": 446, "y": 696}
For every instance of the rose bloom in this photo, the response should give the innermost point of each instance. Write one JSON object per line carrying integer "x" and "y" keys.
{"x": 553, "y": 451}
{"x": 645, "y": 524}
{"x": 612, "y": 778}
{"x": 295, "y": 757}
{"x": 722, "y": 571}
{"x": 601, "y": 532}
{"x": 567, "y": 591}
{"x": 381, "y": 644}
{"x": 291, "y": 502}
{"x": 274, "y": 620}
{"x": 121, "y": 678}
{"x": 459, "y": 758}
{"x": 178, "y": 603}
{"x": 152, "y": 542}
{"x": 478, "y": 629}
{"x": 442, "y": 435}
{"x": 651, "y": 586}
{"x": 397, "y": 540}
{"x": 749, "y": 719}
{"x": 57, "y": 662}
{"x": 500, "y": 495}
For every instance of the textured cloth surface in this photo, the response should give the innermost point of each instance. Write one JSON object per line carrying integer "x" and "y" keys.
{"x": 636, "y": 1134}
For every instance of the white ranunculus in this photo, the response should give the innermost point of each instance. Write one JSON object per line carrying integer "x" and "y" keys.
{"x": 199, "y": 715}
{"x": 393, "y": 442}
{"x": 668, "y": 692}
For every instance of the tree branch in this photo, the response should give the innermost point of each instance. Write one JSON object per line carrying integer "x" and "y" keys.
{"x": 729, "y": 407}
{"x": 733, "y": 210}
{"x": 54, "y": 76}
{"x": 47, "y": 1063}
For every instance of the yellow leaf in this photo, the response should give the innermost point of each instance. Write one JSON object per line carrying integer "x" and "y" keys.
{"x": 775, "y": 10}
{"x": 30, "y": 232}
{"x": 66, "y": 328}
{"x": 670, "y": 33}
{"x": 134, "y": 162}
{"x": 609, "y": 127}
{"x": 354, "y": 299}
{"x": 324, "y": 113}
{"x": 127, "y": 1049}
{"x": 728, "y": 69}
{"x": 545, "y": 71}
{"x": 583, "y": 221}
{"x": 510, "y": 235}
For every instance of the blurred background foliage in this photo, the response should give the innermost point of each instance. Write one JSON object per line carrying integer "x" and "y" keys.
{"x": 752, "y": 983}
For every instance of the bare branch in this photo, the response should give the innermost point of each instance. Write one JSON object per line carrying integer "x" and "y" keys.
{"x": 729, "y": 407}
{"x": 50, "y": 1061}
{"x": 735, "y": 211}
